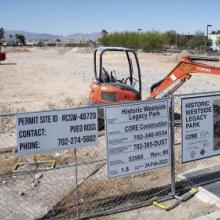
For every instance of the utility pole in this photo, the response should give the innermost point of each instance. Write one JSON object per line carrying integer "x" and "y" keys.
{"x": 139, "y": 30}
{"x": 207, "y": 35}
{"x": 176, "y": 41}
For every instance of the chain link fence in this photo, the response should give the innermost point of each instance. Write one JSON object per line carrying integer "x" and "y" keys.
{"x": 198, "y": 172}
{"x": 77, "y": 185}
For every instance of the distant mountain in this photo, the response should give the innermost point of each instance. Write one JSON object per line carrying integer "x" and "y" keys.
{"x": 30, "y": 36}
{"x": 91, "y": 36}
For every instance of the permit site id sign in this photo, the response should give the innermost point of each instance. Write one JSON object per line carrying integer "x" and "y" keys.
{"x": 56, "y": 130}
{"x": 200, "y": 127}
{"x": 138, "y": 137}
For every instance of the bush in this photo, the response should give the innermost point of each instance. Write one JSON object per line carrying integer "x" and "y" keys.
{"x": 154, "y": 40}
{"x": 147, "y": 41}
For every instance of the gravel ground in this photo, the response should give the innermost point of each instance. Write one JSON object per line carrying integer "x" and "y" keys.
{"x": 38, "y": 79}
{"x": 191, "y": 209}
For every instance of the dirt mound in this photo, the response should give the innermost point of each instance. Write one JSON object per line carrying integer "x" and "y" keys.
{"x": 177, "y": 57}
{"x": 63, "y": 50}
{"x": 80, "y": 50}
{"x": 16, "y": 50}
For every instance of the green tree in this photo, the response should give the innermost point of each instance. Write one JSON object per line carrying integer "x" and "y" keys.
{"x": 197, "y": 41}
{"x": 2, "y": 33}
{"x": 20, "y": 39}
{"x": 182, "y": 41}
{"x": 146, "y": 40}
{"x": 170, "y": 37}
{"x": 218, "y": 41}
{"x": 40, "y": 43}
{"x": 154, "y": 40}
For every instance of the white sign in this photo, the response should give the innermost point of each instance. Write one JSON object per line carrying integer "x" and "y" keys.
{"x": 138, "y": 137}
{"x": 200, "y": 127}
{"x": 56, "y": 130}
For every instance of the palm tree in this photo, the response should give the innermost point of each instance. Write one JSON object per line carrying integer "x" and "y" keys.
{"x": 104, "y": 33}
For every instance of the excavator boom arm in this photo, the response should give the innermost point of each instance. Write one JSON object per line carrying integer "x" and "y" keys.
{"x": 182, "y": 72}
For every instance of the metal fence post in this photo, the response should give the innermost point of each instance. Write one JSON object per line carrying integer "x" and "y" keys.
{"x": 76, "y": 181}
{"x": 173, "y": 177}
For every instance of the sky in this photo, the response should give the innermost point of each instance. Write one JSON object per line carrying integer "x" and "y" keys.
{"x": 86, "y": 16}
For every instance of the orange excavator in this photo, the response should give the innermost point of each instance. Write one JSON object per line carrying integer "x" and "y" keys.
{"x": 108, "y": 88}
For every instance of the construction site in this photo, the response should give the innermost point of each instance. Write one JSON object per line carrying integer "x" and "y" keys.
{"x": 75, "y": 185}
{"x": 109, "y": 110}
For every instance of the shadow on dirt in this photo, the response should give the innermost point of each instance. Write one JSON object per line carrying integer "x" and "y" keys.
{"x": 8, "y": 63}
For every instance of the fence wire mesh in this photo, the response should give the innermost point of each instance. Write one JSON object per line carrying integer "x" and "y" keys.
{"x": 78, "y": 186}
{"x": 198, "y": 172}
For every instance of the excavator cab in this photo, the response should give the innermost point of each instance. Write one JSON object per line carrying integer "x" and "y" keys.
{"x": 112, "y": 87}
{"x": 109, "y": 88}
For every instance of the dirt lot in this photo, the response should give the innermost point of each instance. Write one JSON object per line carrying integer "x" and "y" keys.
{"x": 35, "y": 79}
{"x": 38, "y": 79}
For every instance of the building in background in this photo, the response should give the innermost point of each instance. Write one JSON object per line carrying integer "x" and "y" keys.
{"x": 215, "y": 41}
